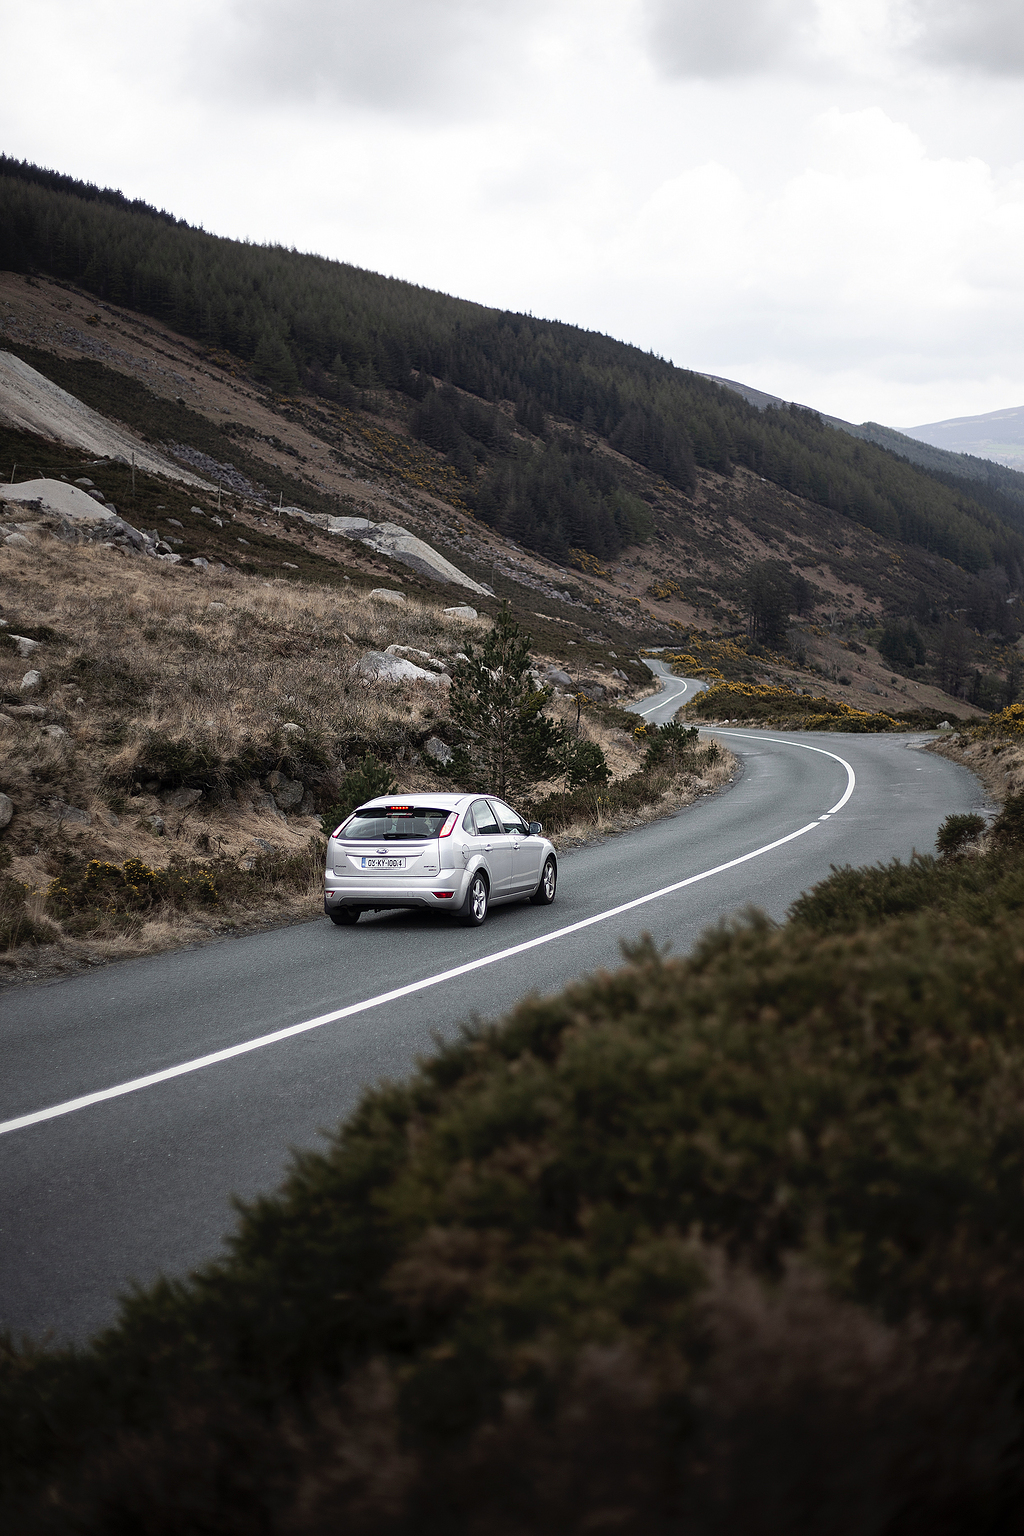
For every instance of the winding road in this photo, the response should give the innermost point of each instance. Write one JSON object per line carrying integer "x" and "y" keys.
{"x": 135, "y": 1099}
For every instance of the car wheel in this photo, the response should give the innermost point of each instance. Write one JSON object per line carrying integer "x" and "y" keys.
{"x": 474, "y": 908}
{"x": 344, "y": 917}
{"x": 544, "y": 895}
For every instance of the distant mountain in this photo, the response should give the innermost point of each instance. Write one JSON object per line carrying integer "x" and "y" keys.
{"x": 997, "y": 435}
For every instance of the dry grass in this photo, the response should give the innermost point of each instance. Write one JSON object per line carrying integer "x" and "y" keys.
{"x": 999, "y": 764}
{"x": 136, "y": 652}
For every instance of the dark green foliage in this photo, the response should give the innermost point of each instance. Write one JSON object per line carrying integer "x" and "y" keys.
{"x": 503, "y": 744}
{"x": 901, "y": 646}
{"x": 340, "y": 330}
{"x": 85, "y": 892}
{"x": 770, "y": 592}
{"x": 503, "y": 1246}
{"x": 672, "y": 745}
{"x": 581, "y": 763}
{"x": 956, "y": 832}
{"x": 1008, "y": 827}
{"x": 365, "y": 781}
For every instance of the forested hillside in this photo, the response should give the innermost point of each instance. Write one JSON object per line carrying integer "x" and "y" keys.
{"x": 334, "y": 330}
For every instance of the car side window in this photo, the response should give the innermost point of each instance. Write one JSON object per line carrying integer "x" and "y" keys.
{"x": 508, "y": 818}
{"x": 483, "y": 820}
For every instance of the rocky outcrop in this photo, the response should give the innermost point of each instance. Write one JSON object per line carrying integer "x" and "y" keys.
{"x": 399, "y": 544}
{"x": 32, "y": 403}
{"x": 379, "y": 667}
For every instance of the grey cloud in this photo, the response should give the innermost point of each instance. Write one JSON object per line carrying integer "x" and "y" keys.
{"x": 983, "y": 35}
{"x": 714, "y": 38}
{"x": 438, "y": 55}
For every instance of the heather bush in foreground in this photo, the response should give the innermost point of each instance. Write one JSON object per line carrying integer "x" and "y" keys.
{"x": 730, "y": 1243}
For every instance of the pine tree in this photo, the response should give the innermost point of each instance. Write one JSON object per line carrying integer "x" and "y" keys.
{"x": 504, "y": 744}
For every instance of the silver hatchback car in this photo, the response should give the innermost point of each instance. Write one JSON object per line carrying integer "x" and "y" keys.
{"x": 451, "y": 853}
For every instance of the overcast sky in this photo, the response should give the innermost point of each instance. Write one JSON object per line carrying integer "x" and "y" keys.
{"x": 822, "y": 198}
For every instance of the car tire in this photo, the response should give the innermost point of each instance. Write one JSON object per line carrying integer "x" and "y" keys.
{"x": 344, "y": 917}
{"x": 474, "y": 908}
{"x": 544, "y": 895}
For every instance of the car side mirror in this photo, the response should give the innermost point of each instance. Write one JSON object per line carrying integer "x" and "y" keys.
{"x": 536, "y": 829}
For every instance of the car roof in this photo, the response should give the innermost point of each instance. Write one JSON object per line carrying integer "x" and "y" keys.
{"x": 419, "y": 798}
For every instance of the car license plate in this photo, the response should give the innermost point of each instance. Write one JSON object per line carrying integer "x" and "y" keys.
{"x": 371, "y": 863}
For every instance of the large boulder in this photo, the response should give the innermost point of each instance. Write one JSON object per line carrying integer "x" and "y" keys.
{"x": 182, "y": 799}
{"x": 31, "y": 680}
{"x": 378, "y": 666}
{"x": 24, "y": 646}
{"x": 461, "y": 611}
{"x": 388, "y": 595}
{"x": 439, "y": 750}
{"x": 287, "y": 792}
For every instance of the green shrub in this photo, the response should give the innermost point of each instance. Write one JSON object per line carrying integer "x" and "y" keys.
{"x": 956, "y": 832}
{"x": 100, "y": 889}
{"x": 1008, "y": 827}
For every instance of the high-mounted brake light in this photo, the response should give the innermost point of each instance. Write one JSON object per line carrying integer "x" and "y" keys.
{"x": 450, "y": 825}
{"x": 396, "y": 810}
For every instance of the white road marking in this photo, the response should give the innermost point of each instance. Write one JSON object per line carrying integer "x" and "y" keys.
{"x": 70, "y": 1106}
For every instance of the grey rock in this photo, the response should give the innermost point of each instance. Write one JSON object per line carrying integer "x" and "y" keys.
{"x": 156, "y": 825}
{"x": 379, "y": 667}
{"x": 262, "y": 844}
{"x": 265, "y": 803}
{"x": 287, "y": 792}
{"x": 289, "y": 566}
{"x": 439, "y": 750}
{"x": 556, "y": 675}
{"x": 245, "y": 542}
{"x": 24, "y": 646}
{"x": 173, "y": 522}
{"x": 291, "y": 729}
{"x": 410, "y": 651}
{"x": 201, "y": 563}
{"x": 97, "y": 495}
{"x": 55, "y": 732}
{"x": 216, "y": 607}
{"x": 31, "y": 680}
{"x": 218, "y": 520}
{"x": 182, "y": 799}
{"x": 6, "y": 810}
{"x": 115, "y": 821}
{"x": 461, "y": 611}
{"x": 388, "y": 595}
{"x": 944, "y": 725}
{"x": 70, "y": 813}
{"x": 198, "y": 512}
{"x": 171, "y": 559}
{"x": 28, "y": 711}
{"x": 308, "y": 806}
{"x": 18, "y": 541}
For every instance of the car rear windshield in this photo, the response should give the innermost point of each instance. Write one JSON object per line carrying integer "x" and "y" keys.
{"x": 377, "y": 823}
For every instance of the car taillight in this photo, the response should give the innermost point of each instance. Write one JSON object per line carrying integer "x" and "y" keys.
{"x": 450, "y": 825}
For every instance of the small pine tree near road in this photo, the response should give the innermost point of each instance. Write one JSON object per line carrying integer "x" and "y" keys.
{"x": 504, "y": 744}
{"x": 363, "y": 782}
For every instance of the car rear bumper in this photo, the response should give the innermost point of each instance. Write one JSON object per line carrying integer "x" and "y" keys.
{"x": 430, "y": 891}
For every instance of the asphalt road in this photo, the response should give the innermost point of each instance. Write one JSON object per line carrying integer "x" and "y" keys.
{"x": 125, "y": 1186}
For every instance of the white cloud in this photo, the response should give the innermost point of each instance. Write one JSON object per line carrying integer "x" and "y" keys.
{"x": 813, "y": 195}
